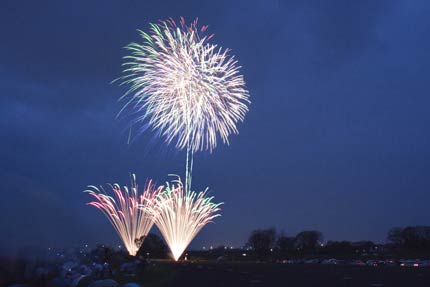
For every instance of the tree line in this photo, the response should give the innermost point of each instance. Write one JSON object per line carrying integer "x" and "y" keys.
{"x": 401, "y": 241}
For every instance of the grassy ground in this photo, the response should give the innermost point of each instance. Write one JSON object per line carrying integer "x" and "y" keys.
{"x": 155, "y": 275}
{"x": 210, "y": 274}
{"x": 247, "y": 274}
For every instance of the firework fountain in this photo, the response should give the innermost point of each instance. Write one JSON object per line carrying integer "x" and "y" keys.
{"x": 127, "y": 211}
{"x": 181, "y": 214}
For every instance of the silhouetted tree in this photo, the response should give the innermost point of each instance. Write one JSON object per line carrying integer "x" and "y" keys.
{"x": 416, "y": 237}
{"x": 308, "y": 240}
{"x": 339, "y": 247}
{"x": 285, "y": 243}
{"x": 364, "y": 246}
{"x": 153, "y": 245}
{"x": 139, "y": 241}
{"x": 262, "y": 240}
{"x": 394, "y": 236}
{"x": 411, "y": 237}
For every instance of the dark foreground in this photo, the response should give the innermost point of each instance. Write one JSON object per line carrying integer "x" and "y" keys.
{"x": 252, "y": 274}
{"x": 208, "y": 275}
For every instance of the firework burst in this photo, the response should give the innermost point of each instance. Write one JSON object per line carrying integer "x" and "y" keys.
{"x": 181, "y": 214}
{"x": 127, "y": 211}
{"x": 187, "y": 89}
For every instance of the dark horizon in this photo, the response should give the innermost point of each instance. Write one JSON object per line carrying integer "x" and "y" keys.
{"x": 336, "y": 138}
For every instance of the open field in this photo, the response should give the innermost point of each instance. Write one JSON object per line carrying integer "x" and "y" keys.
{"x": 209, "y": 275}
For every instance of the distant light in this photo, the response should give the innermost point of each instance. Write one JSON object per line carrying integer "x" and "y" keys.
{"x": 271, "y": 249}
{"x": 231, "y": 247}
{"x": 243, "y": 254}
{"x": 211, "y": 247}
{"x": 225, "y": 247}
{"x": 204, "y": 247}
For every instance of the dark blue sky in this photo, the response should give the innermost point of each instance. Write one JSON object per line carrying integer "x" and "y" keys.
{"x": 337, "y": 137}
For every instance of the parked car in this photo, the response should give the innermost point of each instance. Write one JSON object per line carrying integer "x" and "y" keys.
{"x": 358, "y": 263}
{"x": 415, "y": 263}
{"x": 410, "y": 263}
{"x": 391, "y": 262}
{"x": 290, "y": 261}
{"x": 330, "y": 261}
{"x": 425, "y": 263}
{"x": 375, "y": 263}
{"x": 312, "y": 261}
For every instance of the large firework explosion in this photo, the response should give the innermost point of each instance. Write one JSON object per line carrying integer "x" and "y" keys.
{"x": 180, "y": 214}
{"x": 128, "y": 212}
{"x": 185, "y": 88}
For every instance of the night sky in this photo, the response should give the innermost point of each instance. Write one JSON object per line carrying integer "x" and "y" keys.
{"x": 337, "y": 137}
